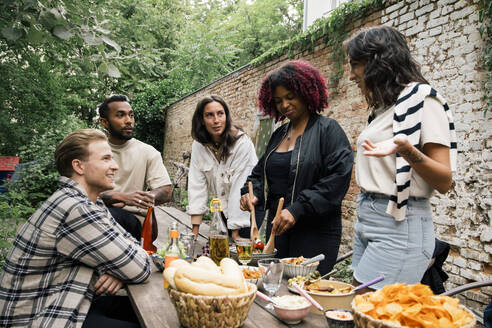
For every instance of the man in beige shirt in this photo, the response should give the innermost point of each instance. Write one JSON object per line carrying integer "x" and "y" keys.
{"x": 142, "y": 180}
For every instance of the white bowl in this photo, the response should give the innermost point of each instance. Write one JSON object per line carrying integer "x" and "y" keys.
{"x": 292, "y": 270}
{"x": 291, "y": 316}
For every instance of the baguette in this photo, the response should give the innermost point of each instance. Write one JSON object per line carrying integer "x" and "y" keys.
{"x": 201, "y": 278}
{"x": 169, "y": 273}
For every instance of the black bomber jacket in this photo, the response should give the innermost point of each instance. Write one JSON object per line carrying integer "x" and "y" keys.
{"x": 320, "y": 171}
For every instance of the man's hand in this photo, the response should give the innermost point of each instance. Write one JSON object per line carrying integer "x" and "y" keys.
{"x": 142, "y": 199}
{"x": 283, "y": 222}
{"x": 107, "y": 284}
{"x": 245, "y": 204}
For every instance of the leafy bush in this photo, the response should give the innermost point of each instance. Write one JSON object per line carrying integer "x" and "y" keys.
{"x": 39, "y": 180}
{"x": 148, "y": 106}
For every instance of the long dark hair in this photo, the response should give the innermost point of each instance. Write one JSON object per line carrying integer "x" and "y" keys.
{"x": 389, "y": 65}
{"x": 299, "y": 77}
{"x": 199, "y": 131}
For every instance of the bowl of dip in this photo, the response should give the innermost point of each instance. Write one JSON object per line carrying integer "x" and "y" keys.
{"x": 339, "y": 318}
{"x": 291, "y": 309}
{"x": 331, "y": 294}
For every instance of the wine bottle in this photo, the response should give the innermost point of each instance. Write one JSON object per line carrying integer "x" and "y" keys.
{"x": 146, "y": 238}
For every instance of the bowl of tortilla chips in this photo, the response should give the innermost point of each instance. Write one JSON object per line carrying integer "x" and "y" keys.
{"x": 401, "y": 305}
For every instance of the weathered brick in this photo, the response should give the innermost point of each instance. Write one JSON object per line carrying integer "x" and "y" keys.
{"x": 436, "y": 13}
{"x": 455, "y": 15}
{"x": 475, "y": 255}
{"x": 474, "y": 265}
{"x": 424, "y": 10}
{"x": 457, "y": 280}
{"x": 394, "y": 7}
{"x": 435, "y": 31}
{"x": 407, "y": 17}
{"x": 459, "y": 261}
{"x": 486, "y": 235}
{"x": 437, "y": 21}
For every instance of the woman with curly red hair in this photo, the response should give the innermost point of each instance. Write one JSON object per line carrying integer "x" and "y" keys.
{"x": 308, "y": 161}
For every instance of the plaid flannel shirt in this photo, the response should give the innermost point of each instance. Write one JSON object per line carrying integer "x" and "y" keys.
{"x": 58, "y": 255}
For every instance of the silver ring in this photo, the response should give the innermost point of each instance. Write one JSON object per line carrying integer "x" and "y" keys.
{"x": 140, "y": 201}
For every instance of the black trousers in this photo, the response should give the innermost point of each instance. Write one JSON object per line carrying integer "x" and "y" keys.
{"x": 111, "y": 311}
{"x": 305, "y": 240}
{"x": 128, "y": 221}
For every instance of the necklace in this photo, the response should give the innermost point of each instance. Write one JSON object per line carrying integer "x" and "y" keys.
{"x": 289, "y": 134}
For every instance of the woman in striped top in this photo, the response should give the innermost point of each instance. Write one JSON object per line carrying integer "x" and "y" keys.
{"x": 406, "y": 151}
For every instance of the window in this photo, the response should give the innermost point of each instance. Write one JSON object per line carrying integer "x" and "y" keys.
{"x": 314, "y": 9}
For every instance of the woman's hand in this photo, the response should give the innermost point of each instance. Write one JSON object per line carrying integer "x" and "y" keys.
{"x": 432, "y": 164}
{"x": 283, "y": 222}
{"x": 107, "y": 284}
{"x": 398, "y": 143}
{"x": 245, "y": 204}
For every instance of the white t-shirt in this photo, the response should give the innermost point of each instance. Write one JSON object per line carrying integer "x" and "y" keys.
{"x": 377, "y": 174}
{"x": 140, "y": 169}
{"x": 224, "y": 180}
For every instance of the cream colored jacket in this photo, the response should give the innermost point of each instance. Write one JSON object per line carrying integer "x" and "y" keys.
{"x": 209, "y": 177}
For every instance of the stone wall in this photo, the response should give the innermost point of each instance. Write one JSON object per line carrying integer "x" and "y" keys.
{"x": 444, "y": 37}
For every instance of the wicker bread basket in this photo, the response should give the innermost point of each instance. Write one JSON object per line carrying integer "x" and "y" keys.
{"x": 362, "y": 320}
{"x": 212, "y": 311}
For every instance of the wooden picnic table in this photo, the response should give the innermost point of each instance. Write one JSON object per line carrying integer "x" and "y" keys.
{"x": 154, "y": 308}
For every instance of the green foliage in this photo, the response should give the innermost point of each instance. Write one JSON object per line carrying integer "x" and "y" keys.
{"x": 344, "y": 272}
{"x": 8, "y": 231}
{"x": 148, "y": 105}
{"x": 331, "y": 29}
{"x": 261, "y": 25}
{"x": 485, "y": 19}
{"x": 28, "y": 99}
{"x": 97, "y": 36}
{"x": 14, "y": 210}
{"x": 39, "y": 180}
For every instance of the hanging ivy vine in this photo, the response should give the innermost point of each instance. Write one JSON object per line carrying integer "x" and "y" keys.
{"x": 485, "y": 19}
{"x": 331, "y": 30}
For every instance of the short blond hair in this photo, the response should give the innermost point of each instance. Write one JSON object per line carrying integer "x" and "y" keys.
{"x": 74, "y": 146}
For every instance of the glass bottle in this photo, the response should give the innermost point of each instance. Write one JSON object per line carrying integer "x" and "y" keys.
{"x": 172, "y": 251}
{"x": 218, "y": 236}
{"x": 146, "y": 238}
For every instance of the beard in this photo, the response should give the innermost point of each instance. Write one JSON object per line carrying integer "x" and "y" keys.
{"x": 118, "y": 134}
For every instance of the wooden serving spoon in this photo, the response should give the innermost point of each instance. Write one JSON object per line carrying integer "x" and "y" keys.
{"x": 270, "y": 246}
{"x": 254, "y": 233}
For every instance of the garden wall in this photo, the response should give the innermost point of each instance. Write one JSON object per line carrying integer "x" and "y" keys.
{"x": 444, "y": 37}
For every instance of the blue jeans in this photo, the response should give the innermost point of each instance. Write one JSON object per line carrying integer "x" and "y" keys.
{"x": 400, "y": 250}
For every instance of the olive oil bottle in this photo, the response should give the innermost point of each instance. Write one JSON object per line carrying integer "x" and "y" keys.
{"x": 218, "y": 237}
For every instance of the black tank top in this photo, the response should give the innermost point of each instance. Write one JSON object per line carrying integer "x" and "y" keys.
{"x": 277, "y": 171}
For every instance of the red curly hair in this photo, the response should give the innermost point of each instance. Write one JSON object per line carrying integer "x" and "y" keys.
{"x": 301, "y": 78}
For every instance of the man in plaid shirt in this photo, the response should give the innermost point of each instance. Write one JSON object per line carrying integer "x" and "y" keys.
{"x": 71, "y": 251}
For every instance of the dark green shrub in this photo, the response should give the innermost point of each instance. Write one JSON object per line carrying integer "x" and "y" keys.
{"x": 39, "y": 180}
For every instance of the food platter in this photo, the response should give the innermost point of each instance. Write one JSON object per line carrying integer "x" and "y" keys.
{"x": 255, "y": 256}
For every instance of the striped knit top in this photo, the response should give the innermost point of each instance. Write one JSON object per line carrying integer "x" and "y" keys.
{"x": 425, "y": 119}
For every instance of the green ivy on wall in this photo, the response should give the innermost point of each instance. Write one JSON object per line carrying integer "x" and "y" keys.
{"x": 485, "y": 19}
{"x": 332, "y": 30}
